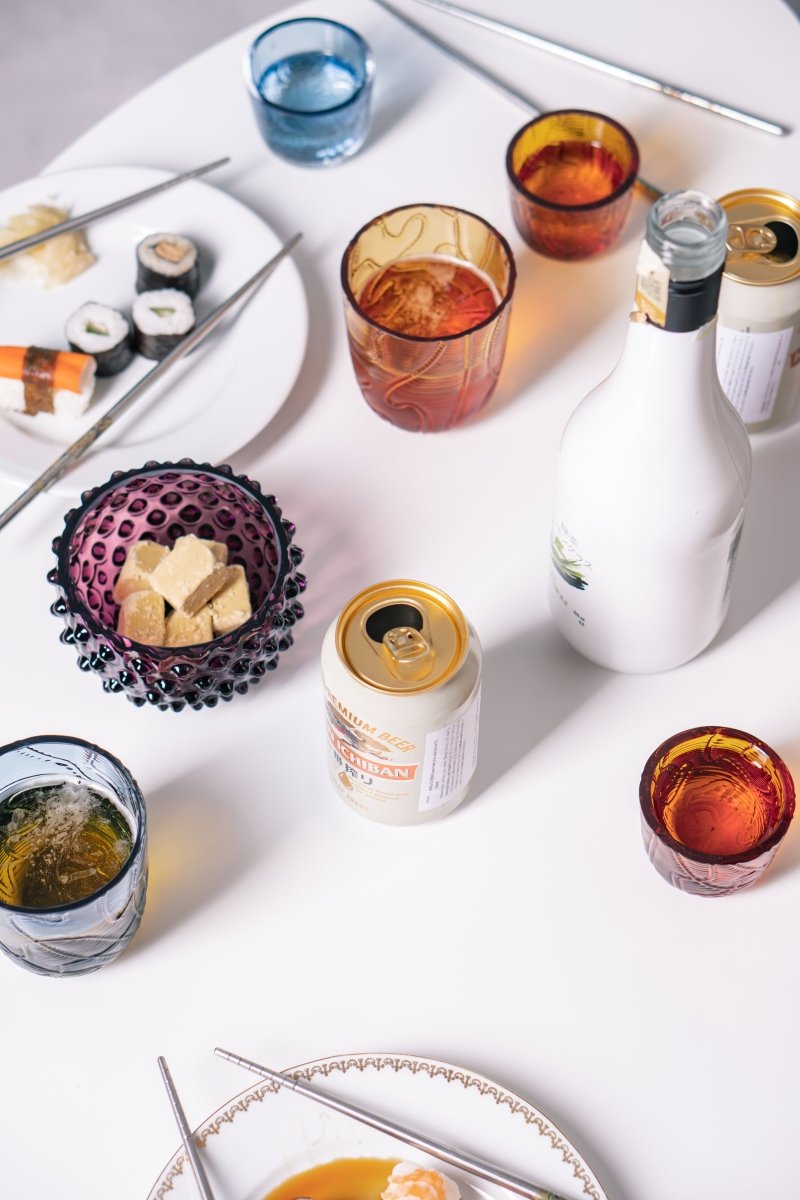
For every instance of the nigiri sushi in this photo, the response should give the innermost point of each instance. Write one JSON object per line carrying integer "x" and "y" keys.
{"x": 33, "y": 380}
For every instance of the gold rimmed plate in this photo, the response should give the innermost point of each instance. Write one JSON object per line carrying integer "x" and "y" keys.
{"x": 264, "y": 1135}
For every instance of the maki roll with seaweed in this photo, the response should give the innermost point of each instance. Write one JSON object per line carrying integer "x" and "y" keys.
{"x": 160, "y": 320}
{"x": 167, "y": 260}
{"x": 103, "y": 332}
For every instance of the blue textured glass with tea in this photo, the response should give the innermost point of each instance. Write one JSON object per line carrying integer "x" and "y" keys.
{"x": 310, "y": 82}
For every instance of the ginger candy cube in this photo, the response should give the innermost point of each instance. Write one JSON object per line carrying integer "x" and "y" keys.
{"x": 183, "y": 630}
{"x": 231, "y": 607}
{"x": 218, "y": 549}
{"x": 189, "y": 575}
{"x": 142, "y": 560}
{"x": 141, "y": 618}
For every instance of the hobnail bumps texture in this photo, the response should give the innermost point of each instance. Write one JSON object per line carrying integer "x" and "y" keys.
{"x": 162, "y": 502}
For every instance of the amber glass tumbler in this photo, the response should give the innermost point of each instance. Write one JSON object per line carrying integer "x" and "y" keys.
{"x": 715, "y": 804}
{"x": 571, "y": 176}
{"x": 427, "y": 384}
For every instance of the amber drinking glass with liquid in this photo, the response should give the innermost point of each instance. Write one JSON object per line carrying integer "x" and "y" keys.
{"x": 715, "y": 804}
{"x": 427, "y": 297}
{"x": 571, "y": 175}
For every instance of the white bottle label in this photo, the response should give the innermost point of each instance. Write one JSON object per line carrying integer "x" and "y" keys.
{"x": 451, "y": 755}
{"x": 750, "y": 367}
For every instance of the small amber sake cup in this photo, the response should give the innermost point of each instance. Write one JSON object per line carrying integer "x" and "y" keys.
{"x": 427, "y": 384}
{"x": 571, "y": 176}
{"x": 715, "y": 804}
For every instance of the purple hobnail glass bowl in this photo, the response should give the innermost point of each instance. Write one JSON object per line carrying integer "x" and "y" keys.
{"x": 161, "y": 502}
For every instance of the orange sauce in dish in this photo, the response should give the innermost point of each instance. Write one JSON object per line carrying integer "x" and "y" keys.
{"x": 342, "y": 1179}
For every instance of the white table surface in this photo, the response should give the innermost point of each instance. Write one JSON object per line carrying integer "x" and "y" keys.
{"x": 537, "y": 944}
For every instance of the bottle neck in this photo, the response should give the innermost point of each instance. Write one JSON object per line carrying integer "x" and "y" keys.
{"x": 693, "y": 303}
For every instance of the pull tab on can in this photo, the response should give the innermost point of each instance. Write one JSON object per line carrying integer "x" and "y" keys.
{"x": 751, "y": 237}
{"x": 409, "y": 656}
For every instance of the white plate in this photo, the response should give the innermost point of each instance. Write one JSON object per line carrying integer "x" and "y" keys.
{"x": 212, "y": 402}
{"x": 264, "y": 1136}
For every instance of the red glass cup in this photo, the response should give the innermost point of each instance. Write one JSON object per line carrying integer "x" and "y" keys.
{"x": 427, "y": 383}
{"x": 715, "y": 804}
{"x": 571, "y": 176}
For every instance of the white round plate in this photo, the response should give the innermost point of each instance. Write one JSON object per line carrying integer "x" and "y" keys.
{"x": 209, "y": 404}
{"x": 264, "y": 1135}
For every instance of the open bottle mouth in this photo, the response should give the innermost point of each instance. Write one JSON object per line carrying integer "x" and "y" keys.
{"x": 688, "y": 232}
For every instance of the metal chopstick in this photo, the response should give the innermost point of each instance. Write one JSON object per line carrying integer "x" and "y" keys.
{"x": 600, "y": 64}
{"x": 203, "y": 1186}
{"x": 420, "y": 1141}
{"x": 36, "y": 239}
{"x": 79, "y": 447}
{"x": 647, "y": 189}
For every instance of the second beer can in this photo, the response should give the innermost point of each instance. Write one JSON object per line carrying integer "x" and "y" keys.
{"x": 401, "y": 668}
{"x": 758, "y": 332}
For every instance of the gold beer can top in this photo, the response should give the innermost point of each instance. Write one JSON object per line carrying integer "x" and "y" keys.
{"x": 763, "y": 236}
{"x": 402, "y": 636}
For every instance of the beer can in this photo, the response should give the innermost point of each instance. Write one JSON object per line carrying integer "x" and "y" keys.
{"x": 401, "y": 669}
{"x": 758, "y": 331}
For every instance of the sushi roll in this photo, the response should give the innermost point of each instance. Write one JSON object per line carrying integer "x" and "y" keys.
{"x": 167, "y": 260}
{"x": 33, "y": 380}
{"x": 160, "y": 320}
{"x": 103, "y": 332}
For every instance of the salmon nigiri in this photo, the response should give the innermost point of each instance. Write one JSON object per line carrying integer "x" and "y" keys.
{"x": 33, "y": 380}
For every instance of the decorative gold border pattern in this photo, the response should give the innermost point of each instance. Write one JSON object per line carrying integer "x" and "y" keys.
{"x": 396, "y": 1063}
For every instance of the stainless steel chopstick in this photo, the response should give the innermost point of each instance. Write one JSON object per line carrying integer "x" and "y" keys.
{"x": 600, "y": 64}
{"x": 79, "y": 447}
{"x": 420, "y": 1141}
{"x": 203, "y": 1186}
{"x": 36, "y": 239}
{"x": 647, "y": 189}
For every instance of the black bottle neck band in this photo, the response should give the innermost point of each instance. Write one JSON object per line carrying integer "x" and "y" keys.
{"x": 692, "y": 305}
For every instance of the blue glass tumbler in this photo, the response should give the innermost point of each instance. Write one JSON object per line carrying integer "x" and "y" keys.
{"x": 81, "y": 936}
{"x": 310, "y": 82}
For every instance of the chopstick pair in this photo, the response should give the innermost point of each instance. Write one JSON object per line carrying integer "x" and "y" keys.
{"x": 671, "y": 90}
{"x": 199, "y": 334}
{"x": 420, "y": 1141}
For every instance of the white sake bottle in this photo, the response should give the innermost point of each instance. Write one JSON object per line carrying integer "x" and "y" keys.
{"x": 654, "y": 465}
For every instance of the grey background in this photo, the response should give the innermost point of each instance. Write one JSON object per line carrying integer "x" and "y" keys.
{"x": 65, "y": 65}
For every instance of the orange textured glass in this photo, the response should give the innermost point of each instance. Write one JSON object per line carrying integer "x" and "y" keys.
{"x": 571, "y": 176}
{"x": 437, "y": 379}
{"x": 715, "y": 805}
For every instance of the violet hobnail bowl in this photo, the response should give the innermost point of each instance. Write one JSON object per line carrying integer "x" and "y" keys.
{"x": 162, "y": 502}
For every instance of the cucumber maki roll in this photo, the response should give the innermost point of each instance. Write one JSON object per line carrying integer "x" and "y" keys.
{"x": 160, "y": 319}
{"x": 167, "y": 260}
{"x": 103, "y": 332}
